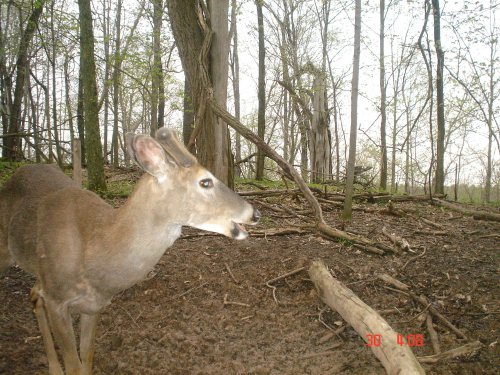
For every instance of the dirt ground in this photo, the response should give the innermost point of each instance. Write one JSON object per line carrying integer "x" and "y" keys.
{"x": 176, "y": 322}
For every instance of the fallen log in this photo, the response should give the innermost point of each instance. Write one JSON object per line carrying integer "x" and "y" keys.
{"x": 403, "y": 198}
{"x": 396, "y": 359}
{"x": 478, "y": 215}
{"x": 267, "y": 193}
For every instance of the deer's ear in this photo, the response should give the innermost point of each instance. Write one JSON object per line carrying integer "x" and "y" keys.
{"x": 148, "y": 154}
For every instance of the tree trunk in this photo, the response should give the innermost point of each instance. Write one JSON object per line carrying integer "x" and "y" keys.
{"x": 235, "y": 72}
{"x": 6, "y": 89}
{"x": 116, "y": 83}
{"x": 192, "y": 36}
{"x": 54, "y": 87}
{"x": 261, "y": 121}
{"x": 440, "y": 147}
{"x": 80, "y": 114}
{"x": 188, "y": 113}
{"x": 219, "y": 66}
{"x": 383, "y": 94}
{"x": 67, "y": 98}
{"x": 349, "y": 189}
{"x": 105, "y": 22}
{"x": 12, "y": 142}
{"x": 320, "y": 142}
{"x": 95, "y": 165}
{"x": 156, "y": 70}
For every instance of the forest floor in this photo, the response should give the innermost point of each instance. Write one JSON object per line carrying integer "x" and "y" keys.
{"x": 176, "y": 321}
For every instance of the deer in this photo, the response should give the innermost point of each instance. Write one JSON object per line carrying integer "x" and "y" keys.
{"x": 83, "y": 251}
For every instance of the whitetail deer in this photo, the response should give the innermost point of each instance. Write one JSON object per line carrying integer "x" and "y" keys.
{"x": 83, "y": 251}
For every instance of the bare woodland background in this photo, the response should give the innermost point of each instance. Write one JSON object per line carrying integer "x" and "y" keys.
{"x": 428, "y": 87}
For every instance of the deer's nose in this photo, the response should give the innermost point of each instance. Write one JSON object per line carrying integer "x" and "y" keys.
{"x": 256, "y": 215}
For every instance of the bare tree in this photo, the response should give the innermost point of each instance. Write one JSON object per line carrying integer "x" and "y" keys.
{"x": 12, "y": 142}
{"x": 95, "y": 162}
{"x": 261, "y": 121}
{"x": 383, "y": 95}
{"x": 351, "y": 163}
{"x": 440, "y": 149}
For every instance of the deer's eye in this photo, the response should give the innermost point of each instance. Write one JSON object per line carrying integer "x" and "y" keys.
{"x": 206, "y": 183}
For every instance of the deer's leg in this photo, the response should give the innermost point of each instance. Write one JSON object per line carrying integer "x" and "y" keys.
{"x": 62, "y": 328}
{"x": 41, "y": 317}
{"x": 88, "y": 325}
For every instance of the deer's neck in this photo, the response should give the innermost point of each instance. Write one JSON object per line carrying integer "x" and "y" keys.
{"x": 141, "y": 231}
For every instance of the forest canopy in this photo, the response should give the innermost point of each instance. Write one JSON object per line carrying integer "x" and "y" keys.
{"x": 96, "y": 70}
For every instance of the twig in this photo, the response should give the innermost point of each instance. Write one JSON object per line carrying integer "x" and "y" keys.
{"x": 130, "y": 316}
{"x": 423, "y": 301}
{"x": 285, "y": 275}
{"x": 414, "y": 258}
{"x": 494, "y": 235}
{"x": 453, "y": 353}
{"x": 231, "y": 273}
{"x": 226, "y": 302}
{"x": 323, "y": 353}
{"x": 269, "y": 282}
{"x": 189, "y": 291}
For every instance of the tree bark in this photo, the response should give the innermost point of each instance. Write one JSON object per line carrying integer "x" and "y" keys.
{"x": 235, "y": 72}
{"x": 396, "y": 359}
{"x": 440, "y": 146}
{"x": 105, "y": 30}
{"x": 191, "y": 23}
{"x": 383, "y": 95}
{"x": 261, "y": 120}
{"x": 116, "y": 83}
{"x": 188, "y": 113}
{"x": 349, "y": 189}
{"x": 320, "y": 142}
{"x": 156, "y": 75}
{"x": 95, "y": 165}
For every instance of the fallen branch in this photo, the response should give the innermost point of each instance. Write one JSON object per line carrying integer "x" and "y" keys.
{"x": 396, "y": 240}
{"x": 478, "y": 215}
{"x": 254, "y": 233}
{"x": 278, "y": 231}
{"x": 432, "y": 332}
{"x": 267, "y": 193}
{"x": 395, "y": 358}
{"x": 432, "y": 232}
{"x": 423, "y": 301}
{"x": 403, "y": 198}
{"x": 431, "y": 223}
{"x": 466, "y": 349}
{"x": 290, "y": 170}
{"x": 269, "y": 282}
{"x": 339, "y": 234}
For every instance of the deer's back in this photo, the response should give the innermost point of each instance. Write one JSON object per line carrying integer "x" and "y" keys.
{"x": 19, "y": 201}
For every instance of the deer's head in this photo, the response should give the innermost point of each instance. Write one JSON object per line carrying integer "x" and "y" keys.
{"x": 193, "y": 195}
